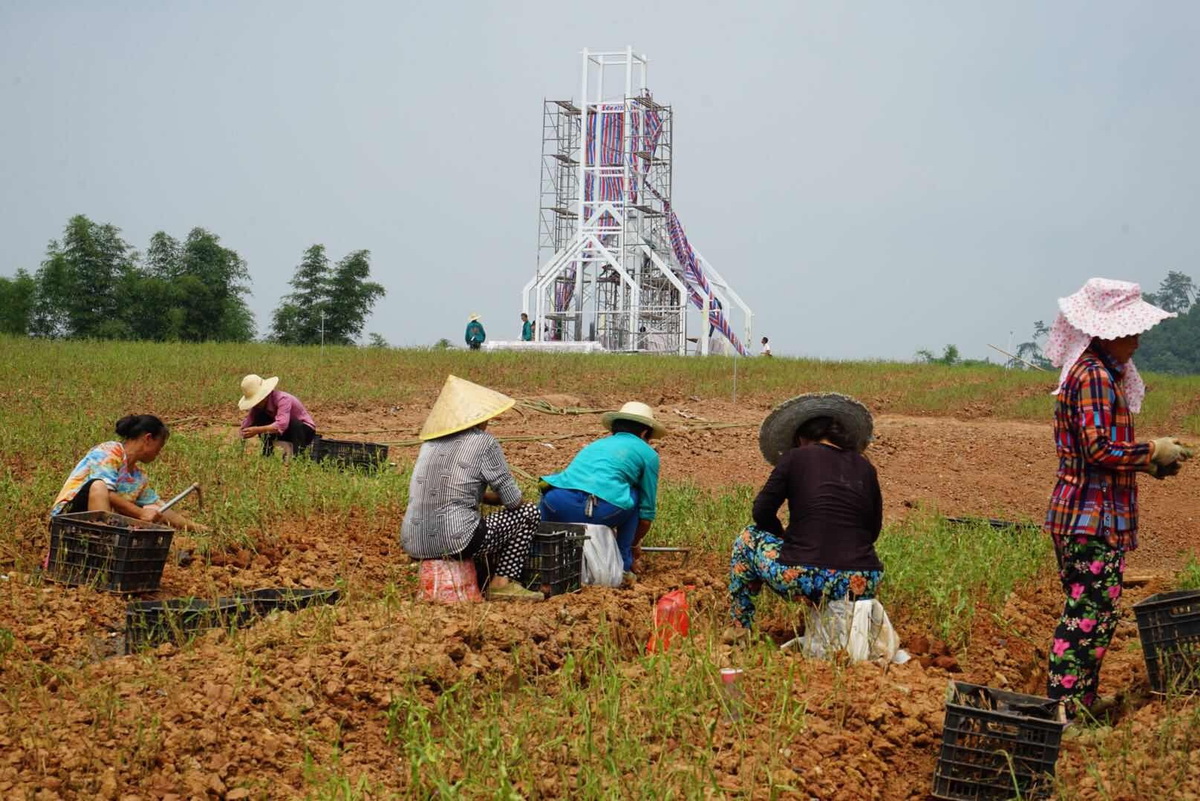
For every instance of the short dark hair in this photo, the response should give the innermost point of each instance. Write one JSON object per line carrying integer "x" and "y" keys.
{"x": 827, "y": 428}
{"x": 630, "y": 427}
{"x": 132, "y": 426}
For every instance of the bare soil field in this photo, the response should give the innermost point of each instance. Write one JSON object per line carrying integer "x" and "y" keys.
{"x": 264, "y": 712}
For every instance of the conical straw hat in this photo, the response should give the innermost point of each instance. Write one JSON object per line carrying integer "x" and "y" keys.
{"x": 462, "y": 405}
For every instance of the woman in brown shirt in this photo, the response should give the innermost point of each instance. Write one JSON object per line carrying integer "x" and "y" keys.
{"x": 827, "y": 550}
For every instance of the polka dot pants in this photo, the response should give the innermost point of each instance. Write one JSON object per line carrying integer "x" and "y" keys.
{"x": 507, "y": 537}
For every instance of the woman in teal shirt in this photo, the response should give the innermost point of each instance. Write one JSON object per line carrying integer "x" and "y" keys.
{"x": 611, "y": 482}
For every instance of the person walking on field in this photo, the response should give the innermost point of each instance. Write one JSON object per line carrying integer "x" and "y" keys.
{"x": 1093, "y": 510}
{"x": 475, "y": 335}
{"x": 275, "y": 416}
{"x": 526, "y": 328}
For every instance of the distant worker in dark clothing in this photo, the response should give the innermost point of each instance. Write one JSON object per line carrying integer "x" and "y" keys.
{"x": 475, "y": 333}
{"x": 526, "y": 328}
{"x": 827, "y": 551}
{"x": 275, "y": 416}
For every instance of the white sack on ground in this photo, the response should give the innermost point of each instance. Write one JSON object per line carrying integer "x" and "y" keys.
{"x": 861, "y": 629}
{"x": 602, "y": 566}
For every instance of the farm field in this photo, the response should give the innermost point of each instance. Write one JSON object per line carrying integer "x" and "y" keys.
{"x": 382, "y": 696}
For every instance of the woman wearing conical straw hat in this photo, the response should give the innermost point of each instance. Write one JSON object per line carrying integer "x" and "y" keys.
{"x": 1093, "y": 513}
{"x": 835, "y": 509}
{"x": 459, "y": 467}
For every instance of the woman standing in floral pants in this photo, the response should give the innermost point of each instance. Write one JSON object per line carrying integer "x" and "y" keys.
{"x": 1093, "y": 510}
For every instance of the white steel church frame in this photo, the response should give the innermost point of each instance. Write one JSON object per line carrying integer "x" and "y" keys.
{"x": 609, "y": 245}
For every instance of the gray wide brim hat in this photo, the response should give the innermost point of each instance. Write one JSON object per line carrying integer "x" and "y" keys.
{"x": 778, "y": 432}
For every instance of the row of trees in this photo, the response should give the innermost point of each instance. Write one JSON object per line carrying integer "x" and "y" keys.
{"x": 93, "y": 284}
{"x": 329, "y": 304}
{"x": 1173, "y": 346}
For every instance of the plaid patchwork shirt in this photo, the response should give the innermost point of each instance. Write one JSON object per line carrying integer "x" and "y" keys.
{"x": 1098, "y": 459}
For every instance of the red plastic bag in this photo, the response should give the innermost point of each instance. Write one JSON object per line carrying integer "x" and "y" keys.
{"x": 449, "y": 581}
{"x": 670, "y": 619}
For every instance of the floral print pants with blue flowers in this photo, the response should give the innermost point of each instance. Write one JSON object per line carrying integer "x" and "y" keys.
{"x": 755, "y": 561}
{"x": 1091, "y": 571}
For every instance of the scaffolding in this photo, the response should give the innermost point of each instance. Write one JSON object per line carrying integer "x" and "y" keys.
{"x": 614, "y": 265}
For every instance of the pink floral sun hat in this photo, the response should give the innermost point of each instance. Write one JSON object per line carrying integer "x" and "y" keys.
{"x": 1106, "y": 309}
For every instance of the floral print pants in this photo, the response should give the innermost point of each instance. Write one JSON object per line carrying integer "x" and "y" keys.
{"x": 755, "y": 561}
{"x": 1091, "y": 571}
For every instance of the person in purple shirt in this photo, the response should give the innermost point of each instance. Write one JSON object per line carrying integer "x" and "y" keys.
{"x": 275, "y": 416}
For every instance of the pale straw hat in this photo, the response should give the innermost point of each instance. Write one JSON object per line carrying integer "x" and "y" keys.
{"x": 635, "y": 412}
{"x": 254, "y": 389}
{"x": 472, "y": 318}
{"x": 778, "y": 432}
{"x": 462, "y": 405}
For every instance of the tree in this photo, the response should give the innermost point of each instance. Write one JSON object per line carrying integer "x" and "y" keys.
{"x": 329, "y": 305}
{"x": 949, "y": 357}
{"x": 211, "y": 286}
{"x": 1031, "y": 351}
{"x": 350, "y": 298}
{"x": 298, "y": 319}
{"x": 377, "y": 341}
{"x": 164, "y": 257}
{"x": 81, "y": 282}
{"x": 1176, "y": 293}
{"x": 16, "y": 303}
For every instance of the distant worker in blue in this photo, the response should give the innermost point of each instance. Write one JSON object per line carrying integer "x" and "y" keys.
{"x": 475, "y": 333}
{"x": 526, "y": 328}
{"x": 611, "y": 482}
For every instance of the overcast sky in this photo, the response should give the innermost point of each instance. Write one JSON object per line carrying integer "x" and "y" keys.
{"x": 872, "y": 178}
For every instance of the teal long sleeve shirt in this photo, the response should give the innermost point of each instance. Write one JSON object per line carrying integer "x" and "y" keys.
{"x": 609, "y": 468}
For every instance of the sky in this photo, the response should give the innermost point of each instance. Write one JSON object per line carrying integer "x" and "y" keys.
{"x": 872, "y": 178}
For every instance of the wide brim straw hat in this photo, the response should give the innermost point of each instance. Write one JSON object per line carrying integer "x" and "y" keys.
{"x": 635, "y": 412}
{"x": 778, "y": 432}
{"x": 472, "y": 318}
{"x": 254, "y": 389}
{"x": 462, "y": 405}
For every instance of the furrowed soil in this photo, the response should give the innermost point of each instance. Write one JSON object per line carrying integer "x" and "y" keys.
{"x": 273, "y": 710}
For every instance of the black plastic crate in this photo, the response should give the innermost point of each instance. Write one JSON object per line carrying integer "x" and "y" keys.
{"x": 290, "y": 600}
{"x": 555, "y": 561}
{"x": 111, "y": 551}
{"x": 997, "y": 744}
{"x": 149, "y": 623}
{"x": 346, "y": 453}
{"x": 1169, "y": 627}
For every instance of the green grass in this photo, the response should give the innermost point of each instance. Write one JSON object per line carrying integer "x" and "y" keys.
{"x": 1188, "y": 578}
{"x": 99, "y": 381}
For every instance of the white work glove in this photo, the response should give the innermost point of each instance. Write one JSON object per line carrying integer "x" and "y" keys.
{"x": 1167, "y": 450}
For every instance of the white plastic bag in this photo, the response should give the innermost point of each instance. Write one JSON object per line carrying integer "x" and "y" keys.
{"x": 602, "y": 565}
{"x": 861, "y": 629}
